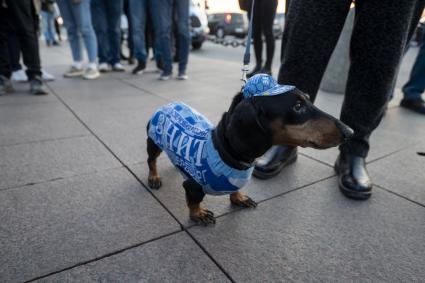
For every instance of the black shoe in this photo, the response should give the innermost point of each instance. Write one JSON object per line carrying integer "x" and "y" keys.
{"x": 37, "y": 87}
{"x": 353, "y": 178}
{"x": 255, "y": 71}
{"x": 416, "y": 105}
{"x": 266, "y": 70}
{"x": 274, "y": 160}
{"x": 5, "y": 85}
{"x": 141, "y": 66}
{"x": 130, "y": 60}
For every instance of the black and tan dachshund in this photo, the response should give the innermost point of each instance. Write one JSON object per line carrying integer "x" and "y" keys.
{"x": 219, "y": 160}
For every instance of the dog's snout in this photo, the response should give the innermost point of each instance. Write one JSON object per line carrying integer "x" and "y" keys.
{"x": 346, "y": 131}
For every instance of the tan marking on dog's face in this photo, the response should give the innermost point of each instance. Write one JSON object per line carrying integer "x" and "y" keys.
{"x": 319, "y": 133}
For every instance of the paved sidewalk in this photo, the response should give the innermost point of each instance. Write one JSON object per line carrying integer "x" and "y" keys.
{"x": 74, "y": 205}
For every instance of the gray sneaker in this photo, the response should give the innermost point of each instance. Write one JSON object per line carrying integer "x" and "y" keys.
{"x": 118, "y": 67}
{"x": 37, "y": 87}
{"x": 5, "y": 85}
{"x": 91, "y": 74}
{"x": 73, "y": 72}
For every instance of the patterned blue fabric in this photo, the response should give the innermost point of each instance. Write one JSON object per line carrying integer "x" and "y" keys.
{"x": 264, "y": 85}
{"x": 185, "y": 135}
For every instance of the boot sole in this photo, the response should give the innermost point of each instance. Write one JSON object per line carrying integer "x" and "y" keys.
{"x": 350, "y": 193}
{"x": 267, "y": 175}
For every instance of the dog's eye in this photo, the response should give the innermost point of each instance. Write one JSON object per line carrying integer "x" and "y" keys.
{"x": 298, "y": 107}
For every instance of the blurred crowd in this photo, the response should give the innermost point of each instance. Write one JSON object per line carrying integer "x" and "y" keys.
{"x": 158, "y": 24}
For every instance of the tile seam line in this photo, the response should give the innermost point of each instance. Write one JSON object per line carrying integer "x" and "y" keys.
{"x": 59, "y": 178}
{"x": 117, "y": 252}
{"x": 399, "y": 195}
{"x": 182, "y": 228}
{"x": 116, "y": 157}
{"x": 46, "y": 140}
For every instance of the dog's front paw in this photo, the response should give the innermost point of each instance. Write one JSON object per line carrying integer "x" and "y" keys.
{"x": 154, "y": 182}
{"x": 242, "y": 200}
{"x": 203, "y": 216}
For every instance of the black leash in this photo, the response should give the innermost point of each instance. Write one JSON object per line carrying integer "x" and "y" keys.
{"x": 247, "y": 54}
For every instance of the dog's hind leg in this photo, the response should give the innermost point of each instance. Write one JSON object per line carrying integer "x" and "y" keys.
{"x": 154, "y": 180}
{"x": 239, "y": 199}
{"x": 194, "y": 197}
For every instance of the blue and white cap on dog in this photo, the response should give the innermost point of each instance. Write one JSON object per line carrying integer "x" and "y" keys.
{"x": 264, "y": 85}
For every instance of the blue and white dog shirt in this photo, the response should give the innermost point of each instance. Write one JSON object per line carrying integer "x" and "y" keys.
{"x": 186, "y": 136}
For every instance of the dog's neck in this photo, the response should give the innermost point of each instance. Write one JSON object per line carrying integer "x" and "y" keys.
{"x": 237, "y": 152}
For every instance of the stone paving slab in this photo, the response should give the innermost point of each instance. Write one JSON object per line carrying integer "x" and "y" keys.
{"x": 43, "y": 161}
{"x": 171, "y": 194}
{"x": 175, "y": 258}
{"x": 23, "y": 123}
{"x": 402, "y": 173}
{"x": 316, "y": 234}
{"x": 51, "y": 226}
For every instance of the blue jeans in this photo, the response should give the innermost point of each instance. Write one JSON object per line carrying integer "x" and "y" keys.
{"x": 166, "y": 19}
{"x": 77, "y": 19}
{"x": 138, "y": 11}
{"x": 48, "y": 26}
{"x": 414, "y": 88}
{"x": 107, "y": 25}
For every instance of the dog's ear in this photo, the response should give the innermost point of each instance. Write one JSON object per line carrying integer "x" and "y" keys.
{"x": 236, "y": 99}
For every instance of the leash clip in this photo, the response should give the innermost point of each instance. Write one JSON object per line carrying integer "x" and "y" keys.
{"x": 244, "y": 70}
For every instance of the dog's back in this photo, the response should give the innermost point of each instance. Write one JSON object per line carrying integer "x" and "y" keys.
{"x": 185, "y": 135}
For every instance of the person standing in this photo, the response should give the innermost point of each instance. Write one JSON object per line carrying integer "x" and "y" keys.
{"x": 139, "y": 10}
{"x": 380, "y": 33}
{"x": 263, "y": 17}
{"x": 20, "y": 16}
{"x": 48, "y": 17}
{"x": 77, "y": 19}
{"x": 165, "y": 27}
{"x": 107, "y": 25}
{"x": 415, "y": 86}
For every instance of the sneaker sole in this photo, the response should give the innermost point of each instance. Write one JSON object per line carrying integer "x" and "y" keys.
{"x": 91, "y": 77}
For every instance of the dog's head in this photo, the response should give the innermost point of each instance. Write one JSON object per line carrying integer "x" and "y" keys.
{"x": 287, "y": 118}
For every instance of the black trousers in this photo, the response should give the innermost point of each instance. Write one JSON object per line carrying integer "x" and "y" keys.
{"x": 380, "y": 33}
{"x": 19, "y": 17}
{"x": 264, "y": 13}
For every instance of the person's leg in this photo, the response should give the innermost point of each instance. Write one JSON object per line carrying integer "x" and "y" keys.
{"x": 83, "y": 17}
{"x": 14, "y": 51}
{"x": 154, "y": 12}
{"x": 268, "y": 14}
{"x": 138, "y": 9}
{"x": 5, "y": 29}
{"x": 257, "y": 33}
{"x": 415, "y": 86}
{"x": 312, "y": 29}
{"x": 70, "y": 21}
{"x": 22, "y": 12}
{"x": 184, "y": 35}
{"x": 375, "y": 58}
{"x": 165, "y": 21}
{"x": 45, "y": 24}
{"x": 114, "y": 11}
{"x": 100, "y": 25}
{"x": 51, "y": 27}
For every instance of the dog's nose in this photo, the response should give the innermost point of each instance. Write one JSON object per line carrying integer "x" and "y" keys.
{"x": 346, "y": 131}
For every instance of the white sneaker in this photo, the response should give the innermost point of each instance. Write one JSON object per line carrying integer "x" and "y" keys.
{"x": 104, "y": 67}
{"x": 164, "y": 76}
{"x": 19, "y": 76}
{"x": 45, "y": 76}
{"x": 91, "y": 74}
{"x": 118, "y": 67}
{"x": 73, "y": 72}
{"x": 182, "y": 76}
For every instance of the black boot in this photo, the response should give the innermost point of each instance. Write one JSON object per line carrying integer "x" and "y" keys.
{"x": 274, "y": 160}
{"x": 255, "y": 71}
{"x": 353, "y": 178}
{"x": 416, "y": 105}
